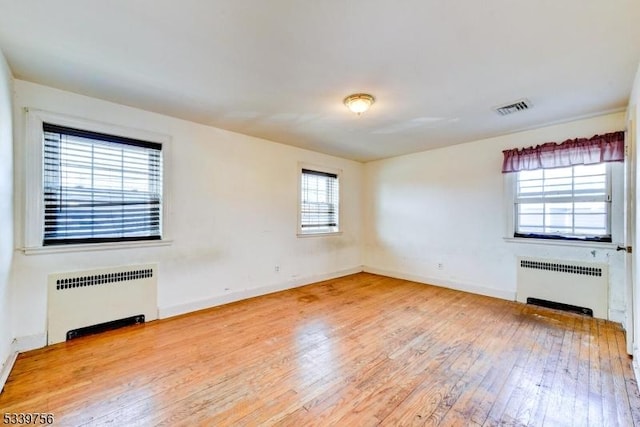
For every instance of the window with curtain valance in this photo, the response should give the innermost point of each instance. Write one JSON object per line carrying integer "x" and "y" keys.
{"x": 563, "y": 190}
{"x": 580, "y": 151}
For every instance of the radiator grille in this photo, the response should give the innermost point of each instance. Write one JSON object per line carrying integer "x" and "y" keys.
{"x": 102, "y": 279}
{"x": 584, "y": 285}
{"x": 90, "y": 300}
{"x": 562, "y": 268}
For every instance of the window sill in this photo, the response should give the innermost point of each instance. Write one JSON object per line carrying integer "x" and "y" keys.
{"x": 330, "y": 233}
{"x": 41, "y": 250}
{"x": 570, "y": 243}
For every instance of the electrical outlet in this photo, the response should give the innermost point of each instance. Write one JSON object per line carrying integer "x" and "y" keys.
{"x": 277, "y": 269}
{"x": 440, "y": 266}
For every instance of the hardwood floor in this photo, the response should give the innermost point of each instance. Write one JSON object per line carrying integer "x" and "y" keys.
{"x": 360, "y": 350}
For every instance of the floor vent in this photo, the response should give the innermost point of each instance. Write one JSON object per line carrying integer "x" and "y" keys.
{"x": 106, "y": 326}
{"x": 560, "y": 306}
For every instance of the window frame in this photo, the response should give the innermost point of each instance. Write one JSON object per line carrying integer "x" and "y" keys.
{"x": 304, "y": 232}
{"x": 615, "y": 218}
{"x": 32, "y": 238}
{"x": 607, "y": 238}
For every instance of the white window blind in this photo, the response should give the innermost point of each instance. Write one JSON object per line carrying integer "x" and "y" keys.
{"x": 319, "y": 202}
{"x": 99, "y": 187}
{"x": 566, "y": 203}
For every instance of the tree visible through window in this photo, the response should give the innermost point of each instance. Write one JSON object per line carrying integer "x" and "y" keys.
{"x": 100, "y": 188}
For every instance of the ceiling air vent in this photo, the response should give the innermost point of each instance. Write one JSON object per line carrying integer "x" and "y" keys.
{"x": 523, "y": 104}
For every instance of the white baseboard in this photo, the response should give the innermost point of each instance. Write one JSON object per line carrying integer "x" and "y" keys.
{"x": 30, "y": 342}
{"x": 20, "y": 345}
{"x": 459, "y": 286}
{"x": 634, "y": 364}
{"x": 175, "y": 310}
{"x": 7, "y": 366}
{"x": 618, "y": 316}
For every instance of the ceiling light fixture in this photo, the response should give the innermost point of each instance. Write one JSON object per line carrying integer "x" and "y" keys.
{"x": 359, "y": 102}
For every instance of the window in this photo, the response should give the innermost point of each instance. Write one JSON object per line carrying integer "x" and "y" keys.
{"x": 564, "y": 203}
{"x": 99, "y": 187}
{"x": 319, "y": 202}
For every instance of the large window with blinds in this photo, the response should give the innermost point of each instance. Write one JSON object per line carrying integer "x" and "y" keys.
{"x": 319, "y": 202}
{"x": 564, "y": 203}
{"x": 100, "y": 188}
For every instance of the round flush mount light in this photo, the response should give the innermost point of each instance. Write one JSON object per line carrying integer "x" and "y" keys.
{"x": 359, "y": 102}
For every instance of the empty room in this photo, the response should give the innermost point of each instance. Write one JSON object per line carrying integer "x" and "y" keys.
{"x": 306, "y": 213}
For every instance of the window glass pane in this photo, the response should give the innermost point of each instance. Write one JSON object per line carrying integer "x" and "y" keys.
{"x": 556, "y": 229}
{"x": 319, "y": 198}
{"x": 570, "y": 202}
{"x": 531, "y": 220}
{"x": 526, "y": 175}
{"x": 528, "y": 187}
{"x": 99, "y": 189}
{"x": 531, "y": 208}
{"x": 558, "y": 216}
{"x": 585, "y": 232}
{"x": 597, "y": 169}
{"x": 591, "y": 182}
{"x": 591, "y": 207}
{"x": 557, "y": 173}
{"x": 558, "y": 184}
{"x": 558, "y": 208}
{"x": 531, "y": 229}
{"x": 596, "y": 223}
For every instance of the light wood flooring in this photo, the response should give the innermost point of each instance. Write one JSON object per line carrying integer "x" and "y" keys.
{"x": 360, "y": 350}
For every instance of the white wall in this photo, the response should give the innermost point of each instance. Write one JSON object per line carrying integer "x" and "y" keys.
{"x": 447, "y": 206}
{"x": 233, "y": 216}
{"x": 6, "y": 213}
{"x": 234, "y": 212}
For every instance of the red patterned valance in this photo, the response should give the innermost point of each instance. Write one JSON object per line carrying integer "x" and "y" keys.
{"x": 579, "y": 151}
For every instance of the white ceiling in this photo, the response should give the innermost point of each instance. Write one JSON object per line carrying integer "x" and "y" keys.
{"x": 279, "y": 69}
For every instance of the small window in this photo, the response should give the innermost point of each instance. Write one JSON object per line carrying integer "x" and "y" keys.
{"x": 319, "y": 202}
{"x": 100, "y": 188}
{"x": 564, "y": 203}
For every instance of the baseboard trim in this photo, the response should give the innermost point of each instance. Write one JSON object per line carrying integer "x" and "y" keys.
{"x": 459, "y": 286}
{"x": 618, "y": 316}
{"x": 7, "y": 366}
{"x": 20, "y": 345}
{"x": 29, "y": 342}
{"x": 176, "y": 310}
{"x": 634, "y": 364}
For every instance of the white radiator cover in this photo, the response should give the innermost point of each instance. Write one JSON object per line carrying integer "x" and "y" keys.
{"x": 86, "y": 298}
{"x": 576, "y": 283}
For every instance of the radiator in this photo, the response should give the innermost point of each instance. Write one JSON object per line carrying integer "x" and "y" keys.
{"x": 567, "y": 282}
{"x": 82, "y": 299}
